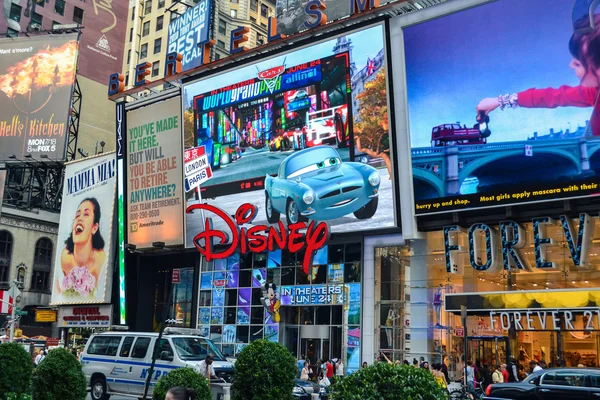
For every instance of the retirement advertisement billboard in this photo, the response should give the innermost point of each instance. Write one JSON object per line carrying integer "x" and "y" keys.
{"x": 154, "y": 174}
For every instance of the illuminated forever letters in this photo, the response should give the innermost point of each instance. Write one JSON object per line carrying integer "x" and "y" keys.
{"x": 512, "y": 238}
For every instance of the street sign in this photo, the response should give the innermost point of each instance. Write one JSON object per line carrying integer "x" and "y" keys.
{"x": 22, "y": 313}
{"x": 52, "y": 342}
{"x": 197, "y": 168}
{"x": 176, "y": 277}
{"x": 5, "y": 302}
{"x": 45, "y": 315}
{"x": 459, "y": 331}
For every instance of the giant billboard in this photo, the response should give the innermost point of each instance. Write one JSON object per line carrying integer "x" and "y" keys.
{"x": 154, "y": 174}
{"x": 36, "y": 83}
{"x": 188, "y": 31}
{"x": 82, "y": 267}
{"x": 503, "y": 105}
{"x": 101, "y": 42}
{"x": 301, "y": 136}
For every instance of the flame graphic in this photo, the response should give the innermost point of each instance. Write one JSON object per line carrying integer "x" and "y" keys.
{"x": 48, "y": 67}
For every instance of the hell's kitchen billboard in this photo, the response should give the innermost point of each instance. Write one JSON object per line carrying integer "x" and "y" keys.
{"x": 36, "y": 83}
{"x": 303, "y": 137}
{"x": 101, "y": 42}
{"x": 502, "y": 111}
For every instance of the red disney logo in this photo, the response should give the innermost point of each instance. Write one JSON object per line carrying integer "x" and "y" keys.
{"x": 258, "y": 238}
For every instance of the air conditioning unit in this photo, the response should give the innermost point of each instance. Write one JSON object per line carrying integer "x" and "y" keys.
{"x": 35, "y": 27}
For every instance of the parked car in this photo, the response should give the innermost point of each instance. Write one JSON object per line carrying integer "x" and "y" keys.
{"x": 314, "y": 183}
{"x": 117, "y": 362}
{"x": 553, "y": 383}
{"x": 304, "y": 389}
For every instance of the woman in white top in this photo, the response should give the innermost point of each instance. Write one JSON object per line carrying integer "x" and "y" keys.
{"x": 339, "y": 368}
{"x": 304, "y": 373}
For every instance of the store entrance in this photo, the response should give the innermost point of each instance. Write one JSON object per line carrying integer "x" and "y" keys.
{"x": 315, "y": 349}
{"x": 488, "y": 349}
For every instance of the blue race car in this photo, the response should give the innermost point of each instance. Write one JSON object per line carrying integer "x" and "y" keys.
{"x": 314, "y": 183}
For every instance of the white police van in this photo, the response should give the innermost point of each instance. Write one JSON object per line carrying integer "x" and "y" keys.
{"x": 118, "y": 362}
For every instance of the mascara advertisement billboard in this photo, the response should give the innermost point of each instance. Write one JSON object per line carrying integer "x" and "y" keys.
{"x": 188, "y": 31}
{"x": 81, "y": 268}
{"x": 506, "y": 110}
{"x": 303, "y": 136}
{"x": 154, "y": 158}
{"x": 36, "y": 83}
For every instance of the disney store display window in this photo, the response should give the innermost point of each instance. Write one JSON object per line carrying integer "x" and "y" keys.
{"x": 269, "y": 296}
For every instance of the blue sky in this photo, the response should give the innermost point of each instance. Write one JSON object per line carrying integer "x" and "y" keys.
{"x": 503, "y": 47}
{"x": 366, "y": 44}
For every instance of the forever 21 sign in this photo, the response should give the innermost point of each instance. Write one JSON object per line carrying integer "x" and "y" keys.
{"x": 511, "y": 238}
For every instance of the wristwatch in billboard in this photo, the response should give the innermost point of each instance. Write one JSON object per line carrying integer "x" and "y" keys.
{"x": 510, "y": 100}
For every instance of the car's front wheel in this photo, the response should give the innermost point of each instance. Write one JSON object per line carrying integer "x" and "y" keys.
{"x": 368, "y": 210}
{"x": 98, "y": 391}
{"x": 292, "y": 213}
{"x": 272, "y": 213}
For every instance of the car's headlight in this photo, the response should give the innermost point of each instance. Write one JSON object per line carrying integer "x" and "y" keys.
{"x": 374, "y": 178}
{"x": 308, "y": 197}
{"x": 298, "y": 389}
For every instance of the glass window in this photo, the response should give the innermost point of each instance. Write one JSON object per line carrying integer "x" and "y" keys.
{"x": 128, "y": 56}
{"x": 78, "y": 15}
{"x": 59, "y": 7}
{"x": 161, "y": 4}
{"x": 164, "y": 346}
{"x": 594, "y": 380}
{"x": 15, "y": 12}
{"x": 233, "y": 13}
{"x": 194, "y": 348}
{"x": 130, "y": 35}
{"x": 221, "y": 44}
{"x": 141, "y": 347}
{"x": 569, "y": 379}
{"x": 144, "y": 51}
{"x": 104, "y": 345}
{"x": 36, "y": 21}
{"x": 288, "y": 276}
{"x": 6, "y": 244}
{"x": 222, "y": 27}
{"x": 126, "y": 79}
{"x": 159, "y": 23}
{"x": 132, "y": 14}
{"x": 217, "y": 56}
{"x": 12, "y": 33}
{"x": 146, "y": 29}
{"x": 253, "y": 20}
{"x": 148, "y": 7}
{"x": 264, "y": 10}
{"x": 43, "y": 254}
{"x": 40, "y": 281}
{"x": 254, "y": 5}
{"x": 126, "y": 346}
{"x": 155, "y": 68}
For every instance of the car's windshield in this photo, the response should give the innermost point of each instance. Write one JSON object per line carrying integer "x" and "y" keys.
{"x": 196, "y": 348}
{"x": 316, "y": 158}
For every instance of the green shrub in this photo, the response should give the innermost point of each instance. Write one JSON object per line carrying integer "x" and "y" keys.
{"x": 59, "y": 377}
{"x": 390, "y": 382}
{"x": 15, "y": 369}
{"x": 186, "y": 377}
{"x": 14, "y": 396}
{"x": 263, "y": 370}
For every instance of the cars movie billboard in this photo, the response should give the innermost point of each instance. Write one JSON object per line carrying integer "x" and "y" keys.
{"x": 101, "y": 42}
{"x": 36, "y": 82}
{"x": 83, "y": 263}
{"x": 154, "y": 165}
{"x": 303, "y": 136}
{"x": 506, "y": 110}
{"x": 188, "y": 31}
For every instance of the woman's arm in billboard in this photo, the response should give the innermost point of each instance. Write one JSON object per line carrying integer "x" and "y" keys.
{"x": 564, "y": 96}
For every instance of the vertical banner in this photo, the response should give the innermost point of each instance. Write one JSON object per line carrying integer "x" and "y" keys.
{"x": 81, "y": 269}
{"x": 155, "y": 174}
{"x": 187, "y": 32}
{"x": 121, "y": 129}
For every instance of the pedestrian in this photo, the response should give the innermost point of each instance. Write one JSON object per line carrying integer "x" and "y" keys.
{"x": 339, "y": 367}
{"x": 329, "y": 367}
{"x": 439, "y": 376}
{"x": 469, "y": 373}
{"x": 496, "y": 375}
{"x": 535, "y": 366}
{"x": 39, "y": 358}
{"x": 486, "y": 375}
{"x": 301, "y": 362}
{"x": 405, "y": 362}
{"x": 323, "y": 379}
{"x": 181, "y": 393}
{"x": 421, "y": 361}
{"x": 513, "y": 371}
{"x": 543, "y": 364}
{"x": 415, "y": 363}
{"x": 206, "y": 369}
{"x": 365, "y": 365}
{"x": 304, "y": 375}
{"x": 505, "y": 375}
{"x": 444, "y": 370}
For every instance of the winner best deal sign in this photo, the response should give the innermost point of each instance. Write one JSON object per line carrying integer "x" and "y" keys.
{"x": 197, "y": 168}
{"x": 154, "y": 187}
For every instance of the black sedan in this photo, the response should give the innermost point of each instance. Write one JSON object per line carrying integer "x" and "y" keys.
{"x": 304, "y": 389}
{"x": 550, "y": 384}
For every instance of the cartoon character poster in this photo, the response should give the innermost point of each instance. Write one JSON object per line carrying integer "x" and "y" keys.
{"x": 271, "y": 301}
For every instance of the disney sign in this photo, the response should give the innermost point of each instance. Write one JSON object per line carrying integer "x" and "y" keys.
{"x": 257, "y": 238}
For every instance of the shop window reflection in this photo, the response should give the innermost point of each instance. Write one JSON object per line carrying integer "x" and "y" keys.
{"x": 323, "y": 315}
{"x": 307, "y": 315}
{"x": 288, "y": 276}
{"x": 336, "y": 254}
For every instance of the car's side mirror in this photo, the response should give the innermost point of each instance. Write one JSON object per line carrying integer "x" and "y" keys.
{"x": 166, "y": 356}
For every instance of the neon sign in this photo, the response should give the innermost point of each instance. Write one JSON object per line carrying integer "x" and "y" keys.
{"x": 258, "y": 238}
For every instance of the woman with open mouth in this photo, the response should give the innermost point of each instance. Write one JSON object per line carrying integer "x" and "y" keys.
{"x": 84, "y": 250}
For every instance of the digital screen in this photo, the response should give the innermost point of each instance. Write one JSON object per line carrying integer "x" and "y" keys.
{"x": 295, "y": 135}
{"x": 503, "y": 106}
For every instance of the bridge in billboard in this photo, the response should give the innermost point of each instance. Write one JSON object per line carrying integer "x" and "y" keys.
{"x": 451, "y": 170}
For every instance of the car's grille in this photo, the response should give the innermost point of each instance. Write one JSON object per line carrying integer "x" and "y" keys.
{"x": 330, "y": 194}
{"x": 226, "y": 375}
{"x": 350, "y": 188}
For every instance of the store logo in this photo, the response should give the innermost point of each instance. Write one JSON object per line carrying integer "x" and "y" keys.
{"x": 134, "y": 227}
{"x": 271, "y": 77}
{"x": 102, "y": 43}
{"x": 258, "y": 238}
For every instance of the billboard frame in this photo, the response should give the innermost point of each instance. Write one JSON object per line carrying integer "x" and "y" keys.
{"x": 307, "y": 42}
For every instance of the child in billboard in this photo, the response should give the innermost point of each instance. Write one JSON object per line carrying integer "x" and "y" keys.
{"x": 585, "y": 49}
{"x": 83, "y": 257}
